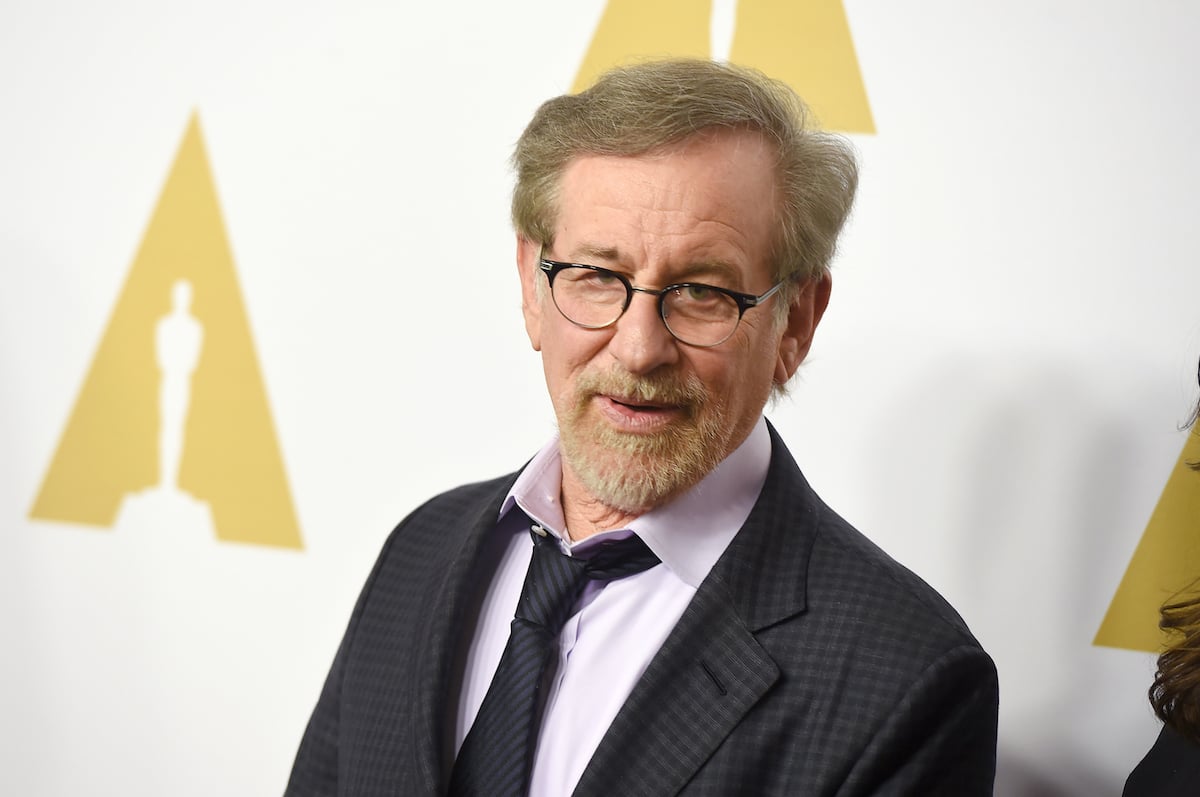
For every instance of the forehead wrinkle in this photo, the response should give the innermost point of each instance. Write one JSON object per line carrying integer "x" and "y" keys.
{"x": 667, "y": 229}
{"x": 678, "y": 211}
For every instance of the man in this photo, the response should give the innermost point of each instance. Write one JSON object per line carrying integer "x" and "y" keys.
{"x": 675, "y": 225}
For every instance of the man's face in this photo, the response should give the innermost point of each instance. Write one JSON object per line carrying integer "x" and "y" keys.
{"x": 642, "y": 417}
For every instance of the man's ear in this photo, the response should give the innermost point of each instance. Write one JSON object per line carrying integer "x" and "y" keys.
{"x": 803, "y": 317}
{"x": 531, "y": 302}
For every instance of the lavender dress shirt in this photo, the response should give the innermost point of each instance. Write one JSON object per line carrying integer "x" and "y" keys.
{"x": 616, "y": 628}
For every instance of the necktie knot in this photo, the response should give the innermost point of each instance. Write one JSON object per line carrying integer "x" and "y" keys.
{"x": 620, "y": 558}
{"x": 555, "y": 580}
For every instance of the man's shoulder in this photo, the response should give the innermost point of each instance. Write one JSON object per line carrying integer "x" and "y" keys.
{"x": 850, "y": 574}
{"x": 438, "y": 536}
{"x": 846, "y": 577}
{"x": 442, "y": 523}
{"x": 867, "y": 622}
{"x": 467, "y": 496}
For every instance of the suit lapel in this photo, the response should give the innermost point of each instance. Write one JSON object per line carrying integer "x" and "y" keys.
{"x": 711, "y": 670}
{"x": 698, "y": 687}
{"x": 443, "y": 639}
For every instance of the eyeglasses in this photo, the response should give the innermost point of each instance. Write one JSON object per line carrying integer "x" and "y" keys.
{"x": 696, "y": 314}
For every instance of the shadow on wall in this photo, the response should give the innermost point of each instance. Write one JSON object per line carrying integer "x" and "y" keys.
{"x": 1016, "y": 473}
{"x": 1018, "y": 778}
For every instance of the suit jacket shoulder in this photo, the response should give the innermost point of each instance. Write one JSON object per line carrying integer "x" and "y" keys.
{"x": 380, "y": 726}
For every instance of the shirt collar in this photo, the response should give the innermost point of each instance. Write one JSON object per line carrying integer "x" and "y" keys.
{"x": 689, "y": 534}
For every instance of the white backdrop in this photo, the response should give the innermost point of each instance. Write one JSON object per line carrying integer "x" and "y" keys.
{"x": 993, "y": 396}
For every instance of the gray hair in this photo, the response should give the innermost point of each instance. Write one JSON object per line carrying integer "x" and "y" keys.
{"x": 651, "y": 106}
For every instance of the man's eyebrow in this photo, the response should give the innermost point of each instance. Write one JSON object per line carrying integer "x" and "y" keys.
{"x": 712, "y": 269}
{"x": 611, "y": 255}
{"x": 589, "y": 252}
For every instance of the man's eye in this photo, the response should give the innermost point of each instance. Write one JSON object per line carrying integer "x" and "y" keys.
{"x": 600, "y": 285}
{"x": 589, "y": 277}
{"x": 700, "y": 293}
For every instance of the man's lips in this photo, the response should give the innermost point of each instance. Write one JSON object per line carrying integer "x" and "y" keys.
{"x": 640, "y": 406}
{"x": 636, "y": 414}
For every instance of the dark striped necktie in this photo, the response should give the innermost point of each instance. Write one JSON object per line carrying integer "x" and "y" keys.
{"x": 497, "y": 755}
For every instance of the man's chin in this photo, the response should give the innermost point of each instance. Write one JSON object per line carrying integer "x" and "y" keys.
{"x": 634, "y": 489}
{"x": 634, "y": 473}
{"x": 640, "y": 448}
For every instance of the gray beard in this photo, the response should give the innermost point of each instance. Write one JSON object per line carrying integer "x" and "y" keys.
{"x": 634, "y": 473}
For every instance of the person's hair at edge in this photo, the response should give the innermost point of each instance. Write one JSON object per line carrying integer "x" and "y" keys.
{"x": 1175, "y": 693}
{"x": 650, "y": 106}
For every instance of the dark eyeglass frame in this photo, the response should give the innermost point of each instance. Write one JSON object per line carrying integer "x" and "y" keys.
{"x": 744, "y": 301}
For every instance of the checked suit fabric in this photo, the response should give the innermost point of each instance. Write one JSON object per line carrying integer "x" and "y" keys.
{"x": 808, "y": 663}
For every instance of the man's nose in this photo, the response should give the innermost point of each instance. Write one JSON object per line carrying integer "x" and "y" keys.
{"x": 641, "y": 341}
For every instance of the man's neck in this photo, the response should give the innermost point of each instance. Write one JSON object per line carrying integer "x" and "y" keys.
{"x": 586, "y": 515}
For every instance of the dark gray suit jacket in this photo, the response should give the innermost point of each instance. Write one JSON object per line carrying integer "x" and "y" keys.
{"x": 808, "y": 663}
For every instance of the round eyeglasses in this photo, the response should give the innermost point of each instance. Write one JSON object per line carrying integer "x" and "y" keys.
{"x": 696, "y": 314}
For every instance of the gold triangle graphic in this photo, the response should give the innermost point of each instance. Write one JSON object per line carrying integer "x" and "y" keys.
{"x": 805, "y": 44}
{"x": 630, "y": 30}
{"x": 1166, "y": 561}
{"x": 110, "y": 448}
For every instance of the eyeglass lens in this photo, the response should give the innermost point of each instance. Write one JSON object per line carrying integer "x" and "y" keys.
{"x": 695, "y": 314}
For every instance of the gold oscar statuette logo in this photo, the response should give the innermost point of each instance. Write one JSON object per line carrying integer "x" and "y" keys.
{"x": 171, "y": 433}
